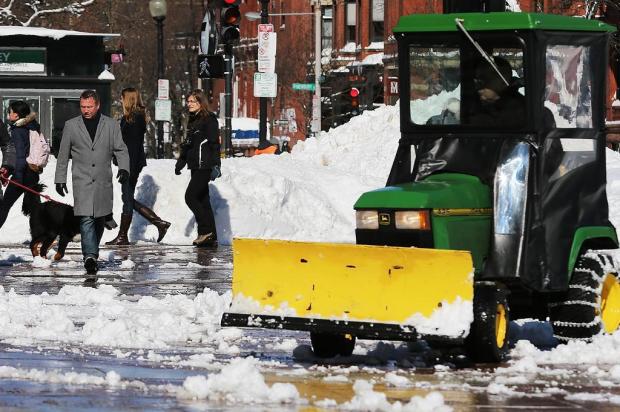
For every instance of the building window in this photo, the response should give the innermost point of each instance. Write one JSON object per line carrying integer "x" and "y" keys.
{"x": 327, "y": 28}
{"x": 376, "y": 24}
{"x": 351, "y": 22}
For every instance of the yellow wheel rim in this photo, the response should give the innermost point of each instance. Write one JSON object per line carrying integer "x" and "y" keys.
{"x": 610, "y": 303}
{"x": 501, "y": 325}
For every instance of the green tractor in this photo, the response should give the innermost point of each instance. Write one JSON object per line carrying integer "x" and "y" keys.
{"x": 495, "y": 206}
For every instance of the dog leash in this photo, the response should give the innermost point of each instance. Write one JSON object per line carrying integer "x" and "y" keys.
{"x": 32, "y": 190}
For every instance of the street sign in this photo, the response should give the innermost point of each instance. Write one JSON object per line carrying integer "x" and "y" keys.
{"x": 280, "y": 122}
{"x": 163, "y": 88}
{"x": 265, "y": 84}
{"x": 265, "y": 27}
{"x": 292, "y": 119}
{"x": 267, "y": 43}
{"x": 211, "y": 66}
{"x": 267, "y": 64}
{"x": 163, "y": 110}
{"x": 267, "y": 46}
{"x": 304, "y": 86}
{"x": 393, "y": 87}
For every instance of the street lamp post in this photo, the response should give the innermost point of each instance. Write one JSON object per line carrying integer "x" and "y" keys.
{"x": 316, "y": 101}
{"x": 158, "y": 12}
{"x": 316, "y": 107}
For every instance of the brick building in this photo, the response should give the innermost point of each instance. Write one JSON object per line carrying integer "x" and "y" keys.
{"x": 358, "y": 50}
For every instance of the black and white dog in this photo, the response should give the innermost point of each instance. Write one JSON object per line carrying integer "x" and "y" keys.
{"x": 48, "y": 221}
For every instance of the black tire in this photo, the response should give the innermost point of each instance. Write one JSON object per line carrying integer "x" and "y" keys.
{"x": 328, "y": 345}
{"x": 577, "y": 314}
{"x": 488, "y": 336}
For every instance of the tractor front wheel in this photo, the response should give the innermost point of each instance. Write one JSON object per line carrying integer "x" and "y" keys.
{"x": 488, "y": 336}
{"x": 328, "y": 345}
{"x": 591, "y": 304}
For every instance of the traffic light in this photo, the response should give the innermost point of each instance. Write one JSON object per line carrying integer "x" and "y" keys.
{"x": 230, "y": 17}
{"x": 355, "y": 104}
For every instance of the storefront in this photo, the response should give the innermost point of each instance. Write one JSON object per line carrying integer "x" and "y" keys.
{"x": 49, "y": 69}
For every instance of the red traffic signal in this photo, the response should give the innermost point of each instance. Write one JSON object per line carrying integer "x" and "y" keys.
{"x": 355, "y": 104}
{"x": 230, "y": 17}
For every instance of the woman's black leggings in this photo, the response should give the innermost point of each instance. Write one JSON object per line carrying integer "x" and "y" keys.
{"x": 12, "y": 192}
{"x": 197, "y": 199}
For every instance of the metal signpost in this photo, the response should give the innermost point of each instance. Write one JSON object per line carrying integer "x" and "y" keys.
{"x": 163, "y": 113}
{"x": 316, "y": 100}
{"x": 267, "y": 45}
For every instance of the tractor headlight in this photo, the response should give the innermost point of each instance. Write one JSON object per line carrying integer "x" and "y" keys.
{"x": 412, "y": 219}
{"x": 367, "y": 219}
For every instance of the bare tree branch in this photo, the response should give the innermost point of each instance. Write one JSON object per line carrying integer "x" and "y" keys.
{"x": 24, "y": 13}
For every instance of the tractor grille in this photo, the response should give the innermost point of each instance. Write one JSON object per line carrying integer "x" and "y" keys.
{"x": 390, "y": 236}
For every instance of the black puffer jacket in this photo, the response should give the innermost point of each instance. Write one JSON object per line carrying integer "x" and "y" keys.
{"x": 201, "y": 149}
{"x": 20, "y": 136}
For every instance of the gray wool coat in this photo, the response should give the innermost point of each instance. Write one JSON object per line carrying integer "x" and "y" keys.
{"x": 90, "y": 168}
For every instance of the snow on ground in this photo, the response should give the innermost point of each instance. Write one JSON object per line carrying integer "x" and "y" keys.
{"x": 110, "y": 320}
{"x": 305, "y": 195}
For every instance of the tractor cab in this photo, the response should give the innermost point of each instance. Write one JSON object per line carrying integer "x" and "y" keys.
{"x": 510, "y": 106}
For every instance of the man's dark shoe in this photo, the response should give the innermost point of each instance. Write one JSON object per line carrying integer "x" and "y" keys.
{"x": 90, "y": 264}
{"x": 208, "y": 240}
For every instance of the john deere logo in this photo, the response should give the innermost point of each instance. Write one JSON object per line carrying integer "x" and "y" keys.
{"x": 384, "y": 218}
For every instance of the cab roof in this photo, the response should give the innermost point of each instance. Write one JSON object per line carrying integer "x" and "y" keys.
{"x": 415, "y": 23}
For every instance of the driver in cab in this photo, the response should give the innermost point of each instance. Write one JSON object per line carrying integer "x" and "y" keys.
{"x": 500, "y": 103}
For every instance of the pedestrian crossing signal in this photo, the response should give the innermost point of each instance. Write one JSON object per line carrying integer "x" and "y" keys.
{"x": 211, "y": 66}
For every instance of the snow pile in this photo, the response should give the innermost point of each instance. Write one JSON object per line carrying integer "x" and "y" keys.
{"x": 225, "y": 386}
{"x": 364, "y": 146}
{"x": 112, "y": 320}
{"x": 603, "y": 350}
{"x": 366, "y": 399}
{"x": 450, "y": 319}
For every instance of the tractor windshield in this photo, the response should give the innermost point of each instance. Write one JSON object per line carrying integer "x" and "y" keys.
{"x": 453, "y": 83}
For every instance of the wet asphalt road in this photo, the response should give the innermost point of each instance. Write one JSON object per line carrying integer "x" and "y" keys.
{"x": 161, "y": 270}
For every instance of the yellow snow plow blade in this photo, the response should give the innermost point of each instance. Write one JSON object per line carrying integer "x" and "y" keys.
{"x": 347, "y": 281}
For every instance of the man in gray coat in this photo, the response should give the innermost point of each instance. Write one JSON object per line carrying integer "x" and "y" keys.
{"x": 91, "y": 140}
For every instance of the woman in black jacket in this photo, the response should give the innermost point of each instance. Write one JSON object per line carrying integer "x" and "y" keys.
{"x": 21, "y": 121}
{"x": 133, "y": 128}
{"x": 201, "y": 153}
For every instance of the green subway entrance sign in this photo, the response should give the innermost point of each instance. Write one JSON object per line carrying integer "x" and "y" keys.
{"x": 304, "y": 86}
{"x": 22, "y": 60}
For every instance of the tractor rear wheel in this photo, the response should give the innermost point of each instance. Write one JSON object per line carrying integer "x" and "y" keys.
{"x": 488, "y": 335}
{"x": 591, "y": 304}
{"x": 328, "y": 345}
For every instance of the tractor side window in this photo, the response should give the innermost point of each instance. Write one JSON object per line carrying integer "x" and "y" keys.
{"x": 435, "y": 85}
{"x": 562, "y": 156}
{"x": 568, "y": 93}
